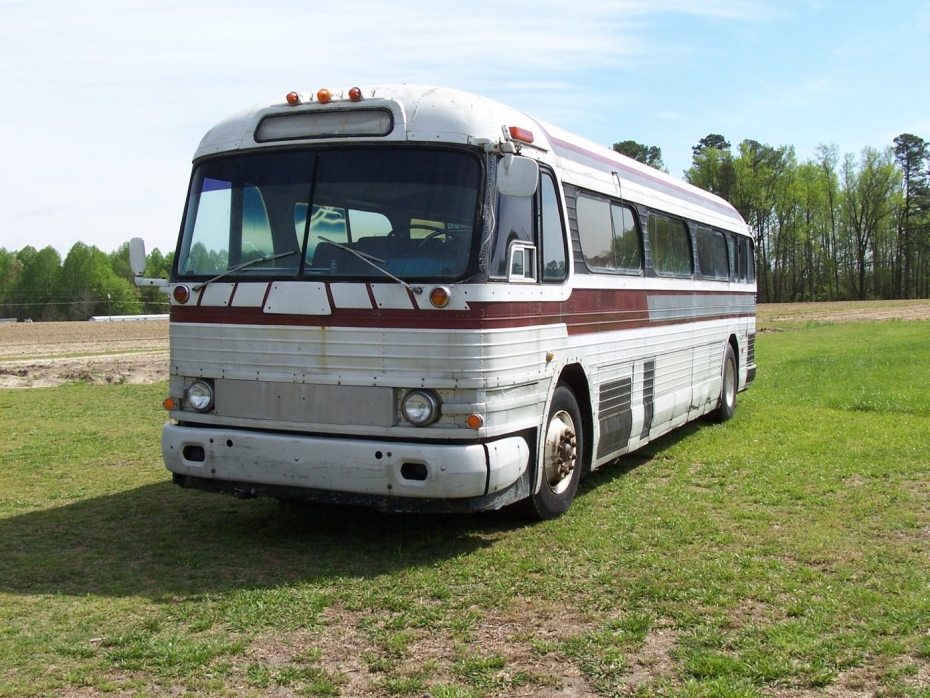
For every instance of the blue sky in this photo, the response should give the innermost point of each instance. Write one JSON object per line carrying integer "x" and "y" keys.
{"x": 102, "y": 103}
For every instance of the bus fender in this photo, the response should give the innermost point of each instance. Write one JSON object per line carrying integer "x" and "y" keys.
{"x": 572, "y": 370}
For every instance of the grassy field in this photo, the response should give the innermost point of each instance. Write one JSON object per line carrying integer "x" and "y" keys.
{"x": 784, "y": 553}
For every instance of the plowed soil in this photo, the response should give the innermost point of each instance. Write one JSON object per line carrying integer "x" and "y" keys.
{"x": 768, "y": 314}
{"x": 42, "y": 354}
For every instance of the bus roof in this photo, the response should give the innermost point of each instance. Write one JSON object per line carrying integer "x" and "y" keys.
{"x": 411, "y": 113}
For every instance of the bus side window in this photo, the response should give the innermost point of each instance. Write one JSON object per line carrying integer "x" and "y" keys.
{"x": 751, "y": 263}
{"x": 721, "y": 265}
{"x": 596, "y": 233}
{"x": 609, "y": 236}
{"x": 626, "y": 240}
{"x": 712, "y": 254}
{"x": 553, "y": 232}
{"x": 732, "y": 242}
{"x": 670, "y": 244}
{"x": 747, "y": 270}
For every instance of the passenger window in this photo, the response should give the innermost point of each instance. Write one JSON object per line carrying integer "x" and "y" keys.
{"x": 712, "y": 254}
{"x": 596, "y": 233}
{"x": 670, "y": 245}
{"x": 626, "y": 240}
{"x": 732, "y": 242}
{"x": 609, "y": 236}
{"x": 750, "y": 253}
{"x": 746, "y": 268}
{"x": 721, "y": 267}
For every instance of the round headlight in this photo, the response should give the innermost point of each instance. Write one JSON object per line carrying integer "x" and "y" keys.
{"x": 420, "y": 407}
{"x": 200, "y": 396}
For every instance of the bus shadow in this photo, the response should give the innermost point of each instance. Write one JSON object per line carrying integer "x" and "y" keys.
{"x": 161, "y": 541}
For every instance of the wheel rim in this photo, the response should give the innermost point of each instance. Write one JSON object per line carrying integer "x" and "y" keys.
{"x": 561, "y": 452}
{"x": 729, "y": 383}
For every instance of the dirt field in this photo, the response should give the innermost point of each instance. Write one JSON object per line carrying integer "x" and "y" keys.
{"x": 865, "y": 311}
{"x": 42, "y": 354}
{"x": 39, "y": 355}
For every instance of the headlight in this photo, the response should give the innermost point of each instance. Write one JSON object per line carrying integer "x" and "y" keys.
{"x": 200, "y": 396}
{"x": 421, "y": 407}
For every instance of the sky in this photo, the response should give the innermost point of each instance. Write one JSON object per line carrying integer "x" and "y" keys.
{"x": 103, "y": 102}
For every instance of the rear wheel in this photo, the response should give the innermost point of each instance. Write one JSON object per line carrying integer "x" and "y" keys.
{"x": 726, "y": 403}
{"x": 561, "y": 458}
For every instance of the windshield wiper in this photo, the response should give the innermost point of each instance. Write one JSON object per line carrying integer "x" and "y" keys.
{"x": 251, "y": 262}
{"x": 370, "y": 261}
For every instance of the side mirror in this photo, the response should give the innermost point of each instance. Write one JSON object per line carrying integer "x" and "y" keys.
{"x": 517, "y": 176}
{"x": 137, "y": 256}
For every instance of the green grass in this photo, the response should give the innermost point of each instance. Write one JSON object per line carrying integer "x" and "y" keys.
{"x": 786, "y": 551}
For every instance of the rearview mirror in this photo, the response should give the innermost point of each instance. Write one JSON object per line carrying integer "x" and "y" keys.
{"x": 137, "y": 256}
{"x": 517, "y": 176}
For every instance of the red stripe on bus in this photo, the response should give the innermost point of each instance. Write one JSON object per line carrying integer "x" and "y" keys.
{"x": 586, "y": 311}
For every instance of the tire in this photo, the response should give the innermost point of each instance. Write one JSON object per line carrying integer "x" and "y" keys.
{"x": 726, "y": 403}
{"x": 562, "y": 457}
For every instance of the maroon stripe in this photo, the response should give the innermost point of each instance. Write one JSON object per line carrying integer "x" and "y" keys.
{"x": 586, "y": 311}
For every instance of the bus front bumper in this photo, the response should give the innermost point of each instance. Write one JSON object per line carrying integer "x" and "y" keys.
{"x": 351, "y": 466}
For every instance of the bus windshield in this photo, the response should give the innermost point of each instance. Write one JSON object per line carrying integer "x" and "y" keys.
{"x": 350, "y": 212}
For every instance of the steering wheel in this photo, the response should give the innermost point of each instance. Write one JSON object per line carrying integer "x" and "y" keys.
{"x": 437, "y": 231}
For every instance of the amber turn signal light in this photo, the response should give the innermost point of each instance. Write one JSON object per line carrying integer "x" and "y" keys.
{"x": 181, "y": 294}
{"x": 439, "y": 296}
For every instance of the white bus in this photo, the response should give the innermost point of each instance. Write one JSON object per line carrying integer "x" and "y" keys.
{"x": 419, "y": 299}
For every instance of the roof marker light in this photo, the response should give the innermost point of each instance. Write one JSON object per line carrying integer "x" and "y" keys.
{"x": 355, "y": 94}
{"x": 324, "y": 96}
{"x": 521, "y": 134}
{"x": 293, "y": 99}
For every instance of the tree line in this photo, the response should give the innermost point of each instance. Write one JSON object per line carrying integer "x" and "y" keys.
{"x": 825, "y": 228}
{"x": 828, "y": 227}
{"x": 39, "y": 285}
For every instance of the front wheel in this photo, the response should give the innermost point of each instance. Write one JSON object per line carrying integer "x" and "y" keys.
{"x": 726, "y": 403}
{"x": 561, "y": 459}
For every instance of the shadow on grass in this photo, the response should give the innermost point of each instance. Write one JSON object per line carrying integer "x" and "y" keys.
{"x": 161, "y": 541}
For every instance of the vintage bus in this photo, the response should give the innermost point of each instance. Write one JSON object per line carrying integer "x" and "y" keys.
{"x": 419, "y": 299}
